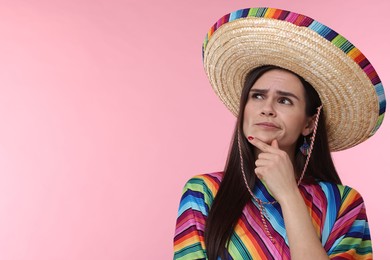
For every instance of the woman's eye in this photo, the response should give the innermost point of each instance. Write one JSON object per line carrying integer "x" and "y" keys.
{"x": 257, "y": 96}
{"x": 285, "y": 101}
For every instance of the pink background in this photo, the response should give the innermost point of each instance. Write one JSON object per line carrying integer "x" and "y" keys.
{"x": 106, "y": 112}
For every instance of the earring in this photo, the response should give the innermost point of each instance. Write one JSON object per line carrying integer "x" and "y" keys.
{"x": 305, "y": 147}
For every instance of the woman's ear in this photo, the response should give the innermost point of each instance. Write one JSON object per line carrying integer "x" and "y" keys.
{"x": 309, "y": 126}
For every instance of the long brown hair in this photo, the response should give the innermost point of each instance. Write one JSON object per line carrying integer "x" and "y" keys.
{"x": 232, "y": 195}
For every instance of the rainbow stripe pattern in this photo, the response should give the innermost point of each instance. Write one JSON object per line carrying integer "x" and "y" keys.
{"x": 338, "y": 215}
{"x": 327, "y": 33}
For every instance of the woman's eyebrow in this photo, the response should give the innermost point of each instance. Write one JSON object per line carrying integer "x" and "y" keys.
{"x": 259, "y": 90}
{"x": 287, "y": 94}
{"x": 279, "y": 92}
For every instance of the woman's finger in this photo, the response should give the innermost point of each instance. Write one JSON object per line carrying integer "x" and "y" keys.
{"x": 260, "y": 144}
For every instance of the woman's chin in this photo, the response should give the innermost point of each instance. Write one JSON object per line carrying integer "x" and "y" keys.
{"x": 267, "y": 140}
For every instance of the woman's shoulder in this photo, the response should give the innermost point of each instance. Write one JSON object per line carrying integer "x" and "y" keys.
{"x": 205, "y": 183}
{"x": 336, "y": 193}
{"x": 343, "y": 190}
{"x": 208, "y": 177}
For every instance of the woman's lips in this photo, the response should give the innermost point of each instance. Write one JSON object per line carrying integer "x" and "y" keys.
{"x": 268, "y": 125}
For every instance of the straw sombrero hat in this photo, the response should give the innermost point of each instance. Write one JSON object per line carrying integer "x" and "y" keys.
{"x": 348, "y": 85}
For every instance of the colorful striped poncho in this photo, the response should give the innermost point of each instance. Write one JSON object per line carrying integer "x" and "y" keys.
{"x": 338, "y": 214}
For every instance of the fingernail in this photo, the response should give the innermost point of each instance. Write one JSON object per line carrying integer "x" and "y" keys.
{"x": 250, "y": 138}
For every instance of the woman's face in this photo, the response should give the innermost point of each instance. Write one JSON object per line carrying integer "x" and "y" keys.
{"x": 276, "y": 110}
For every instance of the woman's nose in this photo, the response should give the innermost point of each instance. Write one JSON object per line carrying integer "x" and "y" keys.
{"x": 267, "y": 109}
{"x": 267, "y": 113}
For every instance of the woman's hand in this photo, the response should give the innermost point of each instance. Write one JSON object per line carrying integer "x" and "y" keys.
{"x": 275, "y": 168}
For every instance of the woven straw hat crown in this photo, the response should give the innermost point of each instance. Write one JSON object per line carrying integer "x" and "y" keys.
{"x": 348, "y": 85}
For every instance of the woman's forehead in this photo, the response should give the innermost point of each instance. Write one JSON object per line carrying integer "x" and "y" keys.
{"x": 279, "y": 81}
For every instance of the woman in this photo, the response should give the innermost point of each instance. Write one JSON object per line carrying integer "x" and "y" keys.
{"x": 299, "y": 91}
